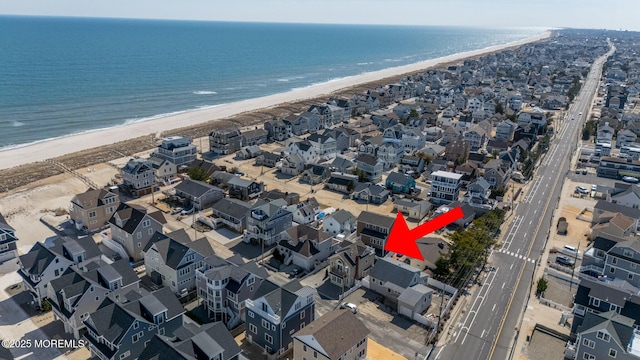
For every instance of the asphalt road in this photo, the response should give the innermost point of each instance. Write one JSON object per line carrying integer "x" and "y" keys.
{"x": 488, "y": 328}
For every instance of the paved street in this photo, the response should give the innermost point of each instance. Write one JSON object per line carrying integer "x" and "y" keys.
{"x": 489, "y": 326}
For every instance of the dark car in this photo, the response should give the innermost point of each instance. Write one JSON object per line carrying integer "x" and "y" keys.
{"x": 563, "y": 260}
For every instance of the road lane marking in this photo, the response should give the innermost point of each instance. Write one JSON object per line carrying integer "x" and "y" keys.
{"x": 493, "y": 308}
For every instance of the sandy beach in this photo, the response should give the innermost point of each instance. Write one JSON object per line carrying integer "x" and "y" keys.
{"x": 75, "y": 143}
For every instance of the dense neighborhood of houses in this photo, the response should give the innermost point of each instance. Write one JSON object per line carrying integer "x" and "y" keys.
{"x": 444, "y": 138}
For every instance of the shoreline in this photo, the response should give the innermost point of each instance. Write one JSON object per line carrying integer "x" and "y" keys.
{"x": 84, "y": 143}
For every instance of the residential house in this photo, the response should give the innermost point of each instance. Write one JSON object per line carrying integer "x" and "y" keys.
{"x": 390, "y": 154}
{"x": 266, "y": 222}
{"x": 173, "y": 264}
{"x": 496, "y": 174}
{"x": 198, "y": 194}
{"x": 248, "y": 152}
{"x": 344, "y": 138}
{"x": 629, "y": 197}
{"x": 43, "y": 264}
{"x": 351, "y": 263}
{"x": 305, "y": 212}
{"x": 505, "y": 130}
{"x": 268, "y": 159}
{"x": 607, "y": 335}
{"x": 93, "y": 208}
{"x": 225, "y": 284}
{"x": 433, "y": 150}
{"x": 75, "y": 295}
{"x": 337, "y": 335}
{"x": 256, "y": 136}
{"x": 207, "y": 167}
{"x": 371, "y": 167}
{"x": 8, "y": 241}
{"x": 370, "y": 193}
{"x": 374, "y": 229}
{"x": 468, "y": 213}
{"x": 457, "y": 150}
{"x": 535, "y": 117}
{"x": 231, "y": 213}
{"x": 626, "y": 138}
{"x": 495, "y": 145}
{"x": 274, "y": 314}
{"x": 609, "y": 279}
{"x": 132, "y": 228}
{"x": 192, "y": 341}
{"x": 618, "y": 225}
{"x": 165, "y": 170}
{"x": 225, "y": 141}
{"x": 325, "y": 145}
{"x": 603, "y": 211}
{"x": 339, "y": 222}
{"x": 478, "y": 192}
{"x": 120, "y": 330}
{"x": 138, "y": 177}
{"x": 414, "y": 300}
{"x": 177, "y": 149}
{"x": 616, "y": 168}
{"x": 279, "y": 129}
{"x": 476, "y": 136}
{"x": 292, "y": 164}
{"x": 400, "y": 183}
{"x": 244, "y": 189}
{"x": 390, "y": 278}
{"x": 451, "y": 134}
{"x": 285, "y": 198}
{"x": 341, "y": 182}
{"x": 605, "y": 133}
{"x": 306, "y": 150}
{"x": 329, "y": 115}
{"x": 412, "y": 163}
{"x": 445, "y": 187}
{"x": 316, "y": 174}
{"x": 433, "y": 133}
{"x": 412, "y": 209}
{"x": 370, "y": 146}
{"x": 221, "y": 178}
{"x": 431, "y": 249}
{"x": 341, "y": 164}
{"x": 305, "y": 247}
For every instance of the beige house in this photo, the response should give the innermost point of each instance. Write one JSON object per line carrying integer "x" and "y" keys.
{"x": 93, "y": 208}
{"x": 337, "y": 335}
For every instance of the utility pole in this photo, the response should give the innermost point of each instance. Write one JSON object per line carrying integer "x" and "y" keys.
{"x": 573, "y": 269}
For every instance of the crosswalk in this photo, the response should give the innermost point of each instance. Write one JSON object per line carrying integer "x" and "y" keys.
{"x": 510, "y": 253}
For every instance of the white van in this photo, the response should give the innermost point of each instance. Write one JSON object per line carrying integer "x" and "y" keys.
{"x": 570, "y": 250}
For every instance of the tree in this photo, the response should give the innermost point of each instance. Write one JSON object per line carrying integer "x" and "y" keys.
{"x": 196, "y": 173}
{"x": 413, "y": 114}
{"x": 542, "y": 286}
{"x": 442, "y": 270}
{"x": 46, "y": 305}
{"x": 499, "y": 109}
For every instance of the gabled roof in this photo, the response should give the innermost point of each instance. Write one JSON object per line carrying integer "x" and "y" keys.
{"x": 398, "y": 178}
{"x": 106, "y": 273}
{"x": 394, "y": 271}
{"x": 196, "y": 188}
{"x": 367, "y": 159}
{"x": 91, "y": 198}
{"x": 281, "y": 299}
{"x": 341, "y": 216}
{"x": 369, "y": 217}
{"x": 173, "y": 251}
{"x": 618, "y": 326}
{"x": 4, "y": 224}
{"x": 414, "y": 294}
{"x": 232, "y": 207}
{"x": 132, "y": 216}
{"x": 335, "y": 332}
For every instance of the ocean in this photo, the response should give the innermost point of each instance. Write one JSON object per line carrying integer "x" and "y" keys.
{"x": 61, "y": 76}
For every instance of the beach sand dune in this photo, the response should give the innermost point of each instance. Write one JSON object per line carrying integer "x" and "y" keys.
{"x": 81, "y": 142}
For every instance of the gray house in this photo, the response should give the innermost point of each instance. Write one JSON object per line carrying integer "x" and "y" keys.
{"x": 607, "y": 335}
{"x": 371, "y": 167}
{"x": 390, "y": 278}
{"x": 224, "y": 285}
{"x": 176, "y": 149}
{"x": 132, "y": 228}
{"x": 75, "y": 295}
{"x": 225, "y": 141}
{"x": 266, "y": 222}
{"x": 138, "y": 177}
{"x": 43, "y": 264}
{"x": 231, "y": 213}
{"x": 192, "y": 341}
{"x": 305, "y": 246}
{"x": 173, "y": 264}
{"x": 274, "y": 314}
{"x": 121, "y": 330}
{"x": 8, "y": 241}
{"x": 341, "y": 221}
{"x": 198, "y": 194}
{"x": 244, "y": 189}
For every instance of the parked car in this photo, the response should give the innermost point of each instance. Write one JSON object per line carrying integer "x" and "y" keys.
{"x": 584, "y": 171}
{"x": 630, "y": 179}
{"x": 176, "y": 210}
{"x": 350, "y": 306}
{"x": 581, "y": 190}
{"x": 294, "y": 272}
{"x": 594, "y": 187}
{"x": 187, "y": 211}
{"x": 578, "y": 171}
{"x": 563, "y": 260}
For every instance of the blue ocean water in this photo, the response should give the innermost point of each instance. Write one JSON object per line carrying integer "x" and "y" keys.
{"x": 60, "y": 76}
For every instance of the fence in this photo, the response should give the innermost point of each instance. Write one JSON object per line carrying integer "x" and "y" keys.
{"x": 356, "y": 285}
{"x": 554, "y": 305}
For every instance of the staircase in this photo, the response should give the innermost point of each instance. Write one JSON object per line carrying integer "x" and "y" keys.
{"x": 76, "y": 174}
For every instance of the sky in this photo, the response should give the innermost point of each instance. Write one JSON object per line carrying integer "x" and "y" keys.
{"x": 596, "y": 14}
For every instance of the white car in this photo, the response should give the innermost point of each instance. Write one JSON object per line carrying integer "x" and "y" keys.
{"x": 350, "y": 306}
{"x": 594, "y": 187}
{"x": 582, "y": 190}
{"x": 630, "y": 179}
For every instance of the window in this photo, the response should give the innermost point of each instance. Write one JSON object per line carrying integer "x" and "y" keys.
{"x": 595, "y": 302}
{"x": 268, "y": 338}
{"x": 250, "y": 314}
{"x": 304, "y": 347}
{"x": 302, "y": 315}
{"x": 253, "y": 328}
{"x": 134, "y": 338}
{"x": 150, "y": 231}
{"x": 612, "y": 270}
{"x": 628, "y": 253}
{"x": 614, "y": 260}
{"x": 146, "y": 223}
{"x": 92, "y": 214}
{"x": 612, "y": 353}
{"x": 589, "y": 343}
{"x": 136, "y": 325}
{"x": 603, "y": 336}
{"x": 139, "y": 235}
{"x": 630, "y": 276}
{"x": 588, "y": 356}
{"x": 266, "y": 324}
{"x": 315, "y": 354}
{"x": 161, "y": 331}
{"x": 125, "y": 355}
{"x": 251, "y": 281}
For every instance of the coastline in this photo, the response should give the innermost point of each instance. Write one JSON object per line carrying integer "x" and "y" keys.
{"x": 82, "y": 142}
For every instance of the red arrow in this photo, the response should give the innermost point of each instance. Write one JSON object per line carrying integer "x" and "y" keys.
{"x": 401, "y": 240}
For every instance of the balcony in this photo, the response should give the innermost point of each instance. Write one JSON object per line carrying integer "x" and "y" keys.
{"x": 250, "y": 305}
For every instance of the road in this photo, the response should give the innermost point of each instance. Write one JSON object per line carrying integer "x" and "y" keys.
{"x": 488, "y": 328}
